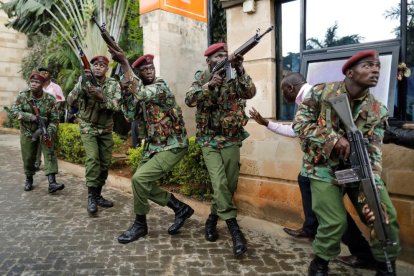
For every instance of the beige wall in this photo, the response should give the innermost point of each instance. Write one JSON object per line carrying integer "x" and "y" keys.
{"x": 178, "y": 44}
{"x": 12, "y": 49}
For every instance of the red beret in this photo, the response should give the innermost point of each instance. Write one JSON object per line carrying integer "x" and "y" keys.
{"x": 102, "y": 59}
{"x": 37, "y": 76}
{"x": 214, "y": 48}
{"x": 143, "y": 60}
{"x": 361, "y": 56}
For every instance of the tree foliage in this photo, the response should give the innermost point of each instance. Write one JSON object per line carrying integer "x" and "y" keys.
{"x": 331, "y": 39}
{"x": 69, "y": 18}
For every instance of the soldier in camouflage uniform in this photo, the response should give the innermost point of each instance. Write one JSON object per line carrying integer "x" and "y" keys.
{"x": 31, "y": 106}
{"x": 220, "y": 118}
{"x": 323, "y": 140}
{"x": 96, "y": 107}
{"x": 150, "y": 100}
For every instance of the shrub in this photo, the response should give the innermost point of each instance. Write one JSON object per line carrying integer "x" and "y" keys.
{"x": 69, "y": 145}
{"x": 10, "y": 122}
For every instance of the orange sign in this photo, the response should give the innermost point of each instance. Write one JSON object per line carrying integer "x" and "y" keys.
{"x": 195, "y": 9}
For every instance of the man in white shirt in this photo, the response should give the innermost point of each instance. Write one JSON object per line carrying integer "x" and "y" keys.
{"x": 50, "y": 87}
{"x": 295, "y": 89}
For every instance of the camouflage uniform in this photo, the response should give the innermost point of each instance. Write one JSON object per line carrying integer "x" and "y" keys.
{"x": 165, "y": 139}
{"x": 96, "y": 125}
{"x": 23, "y": 111}
{"x": 220, "y": 119}
{"x": 319, "y": 129}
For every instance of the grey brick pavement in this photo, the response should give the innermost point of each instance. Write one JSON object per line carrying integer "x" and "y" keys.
{"x": 52, "y": 234}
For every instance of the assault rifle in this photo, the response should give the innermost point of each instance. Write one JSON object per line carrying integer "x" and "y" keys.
{"x": 85, "y": 62}
{"x": 242, "y": 50}
{"x": 361, "y": 171}
{"x": 110, "y": 41}
{"x": 41, "y": 132}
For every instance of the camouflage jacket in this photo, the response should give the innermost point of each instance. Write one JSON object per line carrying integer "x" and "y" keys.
{"x": 319, "y": 128}
{"x": 220, "y": 115}
{"x": 23, "y": 111}
{"x": 155, "y": 105}
{"x": 96, "y": 117}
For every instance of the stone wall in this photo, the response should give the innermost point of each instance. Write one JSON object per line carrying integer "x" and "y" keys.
{"x": 13, "y": 49}
{"x": 178, "y": 44}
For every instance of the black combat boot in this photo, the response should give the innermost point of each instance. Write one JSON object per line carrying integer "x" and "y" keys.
{"x": 53, "y": 186}
{"x": 239, "y": 242}
{"x": 182, "y": 212}
{"x": 318, "y": 267}
{"x": 28, "y": 183}
{"x": 384, "y": 269}
{"x": 101, "y": 201}
{"x": 92, "y": 205}
{"x": 138, "y": 229}
{"x": 211, "y": 228}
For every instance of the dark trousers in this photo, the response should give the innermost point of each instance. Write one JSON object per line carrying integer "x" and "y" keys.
{"x": 353, "y": 238}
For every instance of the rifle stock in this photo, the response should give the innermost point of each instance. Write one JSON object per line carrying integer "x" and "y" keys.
{"x": 242, "y": 50}
{"x": 361, "y": 170}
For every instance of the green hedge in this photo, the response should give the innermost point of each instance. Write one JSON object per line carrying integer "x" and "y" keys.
{"x": 190, "y": 173}
{"x": 69, "y": 145}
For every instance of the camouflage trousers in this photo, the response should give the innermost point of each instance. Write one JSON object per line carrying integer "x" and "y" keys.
{"x": 98, "y": 149}
{"x": 144, "y": 180}
{"x": 223, "y": 166}
{"x": 328, "y": 206}
{"x": 29, "y": 150}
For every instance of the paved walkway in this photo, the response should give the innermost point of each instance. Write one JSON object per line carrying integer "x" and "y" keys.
{"x": 52, "y": 234}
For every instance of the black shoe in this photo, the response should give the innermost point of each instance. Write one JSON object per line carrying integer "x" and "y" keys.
{"x": 182, "y": 212}
{"x": 239, "y": 242}
{"x": 53, "y": 186}
{"x": 101, "y": 201}
{"x": 318, "y": 267}
{"x": 28, "y": 183}
{"x": 211, "y": 233}
{"x": 138, "y": 229}
{"x": 385, "y": 269}
{"x": 356, "y": 262}
{"x": 92, "y": 205}
{"x": 298, "y": 233}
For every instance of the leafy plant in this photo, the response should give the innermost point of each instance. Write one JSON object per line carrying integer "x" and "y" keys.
{"x": 69, "y": 145}
{"x": 10, "y": 122}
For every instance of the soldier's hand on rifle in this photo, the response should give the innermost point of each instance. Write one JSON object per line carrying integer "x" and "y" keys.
{"x": 95, "y": 93}
{"x": 217, "y": 79}
{"x": 237, "y": 63}
{"x": 34, "y": 118}
{"x": 343, "y": 148}
{"x": 117, "y": 54}
{"x": 369, "y": 215}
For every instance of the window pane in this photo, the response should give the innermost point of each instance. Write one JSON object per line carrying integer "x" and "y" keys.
{"x": 337, "y": 22}
{"x": 410, "y": 60}
{"x": 290, "y": 51}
